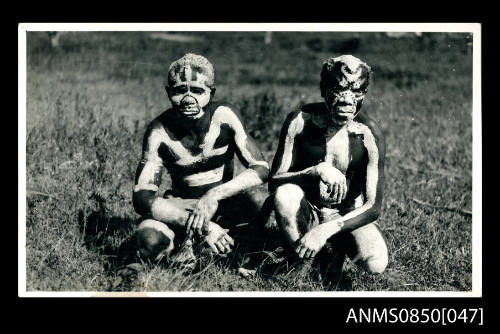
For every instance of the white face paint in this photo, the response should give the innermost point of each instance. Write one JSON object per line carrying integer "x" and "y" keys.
{"x": 344, "y": 87}
{"x": 189, "y": 93}
{"x": 343, "y": 103}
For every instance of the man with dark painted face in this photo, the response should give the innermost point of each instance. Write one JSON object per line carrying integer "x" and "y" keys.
{"x": 195, "y": 141}
{"x": 328, "y": 172}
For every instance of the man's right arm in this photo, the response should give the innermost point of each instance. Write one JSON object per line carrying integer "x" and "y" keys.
{"x": 147, "y": 181}
{"x": 285, "y": 154}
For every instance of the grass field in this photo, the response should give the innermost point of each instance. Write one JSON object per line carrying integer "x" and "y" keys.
{"x": 89, "y": 101}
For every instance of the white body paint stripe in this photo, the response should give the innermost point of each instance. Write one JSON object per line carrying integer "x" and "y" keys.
{"x": 218, "y": 151}
{"x": 151, "y": 157}
{"x": 187, "y": 158}
{"x": 296, "y": 126}
{"x": 212, "y": 135}
{"x": 240, "y": 136}
{"x": 140, "y": 187}
{"x": 359, "y": 201}
{"x": 176, "y": 148}
{"x": 337, "y": 150}
{"x": 152, "y": 166}
{"x": 203, "y": 178}
{"x": 372, "y": 168}
{"x": 356, "y": 127}
{"x": 371, "y": 172}
{"x": 259, "y": 163}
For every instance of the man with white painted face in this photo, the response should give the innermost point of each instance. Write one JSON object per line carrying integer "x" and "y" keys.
{"x": 195, "y": 141}
{"x": 328, "y": 172}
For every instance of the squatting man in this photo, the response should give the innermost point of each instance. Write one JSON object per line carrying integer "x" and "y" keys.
{"x": 328, "y": 172}
{"x": 195, "y": 141}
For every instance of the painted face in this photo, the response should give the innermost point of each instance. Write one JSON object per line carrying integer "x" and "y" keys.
{"x": 344, "y": 86}
{"x": 189, "y": 93}
{"x": 343, "y": 103}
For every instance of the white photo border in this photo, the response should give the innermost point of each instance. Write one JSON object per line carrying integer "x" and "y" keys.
{"x": 473, "y": 28}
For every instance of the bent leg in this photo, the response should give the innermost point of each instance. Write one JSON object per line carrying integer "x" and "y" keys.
{"x": 369, "y": 249}
{"x": 292, "y": 212}
{"x": 294, "y": 218}
{"x": 244, "y": 215}
{"x": 244, "y": 208}
{"x": 153, "y": 239}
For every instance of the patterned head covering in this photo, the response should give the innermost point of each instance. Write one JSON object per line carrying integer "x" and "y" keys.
{"x": 345, "y": 72}
{"x": 196, "y": 63}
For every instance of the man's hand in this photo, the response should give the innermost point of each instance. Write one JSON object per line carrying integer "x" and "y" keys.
{"x": 202, "y": 214}
{"x": 218, "y": 239}
{"x": 311, "y": 243}
{"x": 334, "y": 180}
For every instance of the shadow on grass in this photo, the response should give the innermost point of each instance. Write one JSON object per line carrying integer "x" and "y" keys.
{"x": 106, "y": 234}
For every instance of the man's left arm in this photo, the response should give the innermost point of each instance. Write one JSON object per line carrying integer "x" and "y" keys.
{"x": 256, "y": 173}
{"x": 369, "y": 211}
{"x": 257, "y": 169}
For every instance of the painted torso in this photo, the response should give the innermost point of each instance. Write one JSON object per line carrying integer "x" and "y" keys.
{"x": 197, "y": 160}
{"x": 345, "y": 150}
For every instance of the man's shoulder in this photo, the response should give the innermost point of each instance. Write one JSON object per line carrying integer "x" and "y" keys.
{"x": 364, "y": 124}
{"x": 315, "y": 116}
{"x": 305, "y": 112}
{"x": 214, "y": 105}
{"x": 154, "y": 126}
{"x": 157, "y": 126}
{"x": 224, "y": 113}
{"x": 158, "y": 122}
{"x": 294, "y": 122}
{"x": 370, "y": 133}
{"x": 222, "y": 108}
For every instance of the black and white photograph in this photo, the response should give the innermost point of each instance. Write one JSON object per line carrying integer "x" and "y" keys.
{"x": 265, "y": 159}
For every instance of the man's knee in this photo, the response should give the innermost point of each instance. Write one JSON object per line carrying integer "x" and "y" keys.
{"x": 263, "y": 203}
{"x": 248, "y": 206}
{"x": 376, "y": 264}
{"x": 153, "y": 239}
{"x": 287, "y": 199}
{"x": 372, "y": 248}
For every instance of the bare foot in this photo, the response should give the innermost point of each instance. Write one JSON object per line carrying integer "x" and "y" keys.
{"x": 246, "y": 272}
